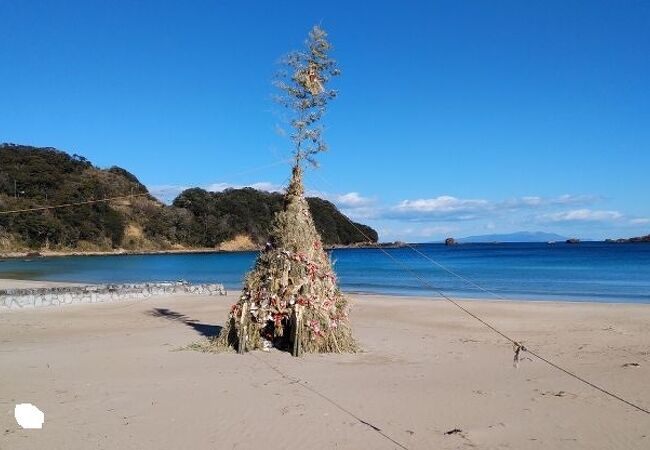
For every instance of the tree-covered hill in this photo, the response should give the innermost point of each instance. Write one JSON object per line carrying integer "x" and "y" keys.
{"x": 221, "y": 216}
{"x": 32, "y": 177}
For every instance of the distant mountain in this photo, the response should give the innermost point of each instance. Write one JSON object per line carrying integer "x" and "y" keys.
{"x": 31, "y": 177}
{"x": 520, "y": 236}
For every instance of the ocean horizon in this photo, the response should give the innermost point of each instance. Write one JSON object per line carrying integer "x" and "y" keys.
{"x": 590, "y": 271}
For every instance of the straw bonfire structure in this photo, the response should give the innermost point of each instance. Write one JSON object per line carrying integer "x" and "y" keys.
{"x": 290, "y": 299}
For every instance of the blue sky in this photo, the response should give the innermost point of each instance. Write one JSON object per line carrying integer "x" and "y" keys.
{"x": 454, "y": 118}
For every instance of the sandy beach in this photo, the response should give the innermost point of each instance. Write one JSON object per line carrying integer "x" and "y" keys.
{"x": 115, "y": 375}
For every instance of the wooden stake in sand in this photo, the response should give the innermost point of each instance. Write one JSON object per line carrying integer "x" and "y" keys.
{"x": 291, "y": 299}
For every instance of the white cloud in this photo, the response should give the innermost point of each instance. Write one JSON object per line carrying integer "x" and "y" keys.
{"x": 361, "y": 213}
{"x": 414, "y": 233}
{"x": 352, "y": 200}
{"x": 267, "y": 186}
{"x": 582, "y": 215}
{"x": 536, "y": 201}
{"x": 640, "y": 221}
{"x": 352, "y": 204}
{"x": 444, "y": 204}
{"x": 166, "y": 193}
{"x": 446, "y": 207}
{"x": 217, "y": 187}
{"x": 431, "y": 231}
{"x": 261, "y": 186}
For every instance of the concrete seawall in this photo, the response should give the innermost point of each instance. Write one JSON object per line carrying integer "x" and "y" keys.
{"x": 100, "y": 293}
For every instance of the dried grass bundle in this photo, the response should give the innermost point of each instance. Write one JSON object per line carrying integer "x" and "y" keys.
{"x": 291, "y": 299}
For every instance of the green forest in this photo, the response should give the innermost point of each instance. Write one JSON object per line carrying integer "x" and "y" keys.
{"x": 33, "y": 177}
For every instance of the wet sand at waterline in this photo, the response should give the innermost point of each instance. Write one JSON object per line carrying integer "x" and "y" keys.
{"x": 113, "y": 376}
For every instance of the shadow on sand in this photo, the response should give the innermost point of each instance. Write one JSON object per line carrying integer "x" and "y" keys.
{"x": 201, "y": 328}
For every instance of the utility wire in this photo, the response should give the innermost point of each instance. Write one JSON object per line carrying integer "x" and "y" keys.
{"x": 518, "y": 346}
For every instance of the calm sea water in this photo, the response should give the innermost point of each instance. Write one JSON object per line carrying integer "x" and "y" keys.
{"x": 584, "y": 272}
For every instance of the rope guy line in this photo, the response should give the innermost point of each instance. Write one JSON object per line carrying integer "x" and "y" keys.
{"x": 69, "y": 205}
{"x": 517, "y": 345}
{"x": 297, "y": 381}
{"x": 123, "y": 197}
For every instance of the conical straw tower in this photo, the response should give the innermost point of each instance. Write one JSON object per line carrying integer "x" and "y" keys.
{"x": 290, "y": 299}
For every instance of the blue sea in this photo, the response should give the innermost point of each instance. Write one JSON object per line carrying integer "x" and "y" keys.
{"x": 590, "y": 271}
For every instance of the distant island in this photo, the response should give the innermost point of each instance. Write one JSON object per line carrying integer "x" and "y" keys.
{"x": 520, "y": 236}
{"x": 632, "y": 240}
{"x": 235, "y": 219}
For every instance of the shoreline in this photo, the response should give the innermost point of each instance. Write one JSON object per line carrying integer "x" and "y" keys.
{"x": 521, "y": 299}
{"x": 200, "y": 250}
{"x": 62, "y": 254}
{"x": 12, "y": 283}
{"x": 31, "y": 254}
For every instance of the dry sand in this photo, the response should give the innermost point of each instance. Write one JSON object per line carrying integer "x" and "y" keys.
{"x": 111, "y": 376}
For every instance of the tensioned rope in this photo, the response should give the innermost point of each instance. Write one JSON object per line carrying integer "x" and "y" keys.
{"x": 457, "y": 275}
{"x": 68, "y": 205}
{"x": 332, "y": 402}
{"x": 123, "y": 197}
{"x": 517, "y": 345}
